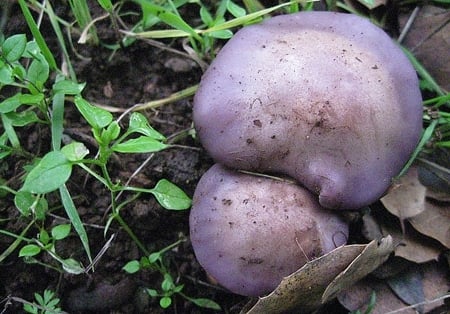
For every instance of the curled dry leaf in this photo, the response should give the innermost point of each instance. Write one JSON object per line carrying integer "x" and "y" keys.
{"x": 434, "y": 222}
{"x": 412, "y": 245}
{"x": 305, "y": 289}
{"x": 408, "y": 198}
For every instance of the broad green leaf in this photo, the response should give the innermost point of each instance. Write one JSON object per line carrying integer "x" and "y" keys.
{"x": 44, "y": 238}
{"x": 6, "y": 76}
{"x": 206, "y": 303}
{"x": 51, "y": 172}
{"x": 139, "y": 124}
{"x": 29, "y": 250}
{"x": 96, "y": 117}
{"x": 38, "y": 71}
{"x": 68, "y": 87}
{"x": 171, "y": 196}
{"x": 142, "y": 144}
{"x": 75, "y": 151}
{"x": 152, "y": 292}
{"x": 111, "y": 133}
{"x": 60, "y": 232}
{"x": 105, "y": 4}
{"x": 10, "y": 104}
{"x": 23, "y": 118}
{"x": 132, "y": 267}
{"x": 14, "y": 47}
{"x": 27, "y": 202}
{"x": 72, "y": 266}
{"x": 152, "y": 258}
{"x": 30, "y": 99}
{"x": 206, "y": 16}
{"x": 223, "y": 34}
{"x": 235, "y": 10}
{"x": 165, "y": 302}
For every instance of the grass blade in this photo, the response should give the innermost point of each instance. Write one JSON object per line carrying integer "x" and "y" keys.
{"x": 37, "y": 35}
{"x": 72, "y": 213}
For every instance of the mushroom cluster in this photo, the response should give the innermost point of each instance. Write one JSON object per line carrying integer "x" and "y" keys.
{"x": 325, "y": 98}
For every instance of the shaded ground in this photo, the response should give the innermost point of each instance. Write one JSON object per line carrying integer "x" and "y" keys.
{"x": 135, "y": 74}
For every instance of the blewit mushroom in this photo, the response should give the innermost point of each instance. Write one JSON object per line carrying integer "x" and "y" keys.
{"x": 326, "y": 98}
{"x": 248, "y": 232}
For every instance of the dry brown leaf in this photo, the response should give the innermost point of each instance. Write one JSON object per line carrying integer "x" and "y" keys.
{"x": 429, "y": 40}
{"x": 434, "y": 222}
{"x": 412, "y": 245}
{"x": 358, "y": 296}
{"x": 408, "y": 198}
{"x": 373, "y": 256}
{"x": 435, "y": 284}
{"x": 304, "y": 289}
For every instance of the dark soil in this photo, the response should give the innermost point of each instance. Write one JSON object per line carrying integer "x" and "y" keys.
{"x": 131, "y": 75}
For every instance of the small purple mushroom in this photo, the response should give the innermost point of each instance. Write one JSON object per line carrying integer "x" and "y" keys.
{"x": 326, "y": 98}
{"x": 249, "y": 232}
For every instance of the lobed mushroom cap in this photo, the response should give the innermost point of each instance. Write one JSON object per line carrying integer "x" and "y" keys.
{"x": 326, "y": 98}
{"x": 249, "y": 232}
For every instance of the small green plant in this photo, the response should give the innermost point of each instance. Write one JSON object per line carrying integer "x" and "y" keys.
{"x": 45, "y": 304}
{"x": 169, "y": 288}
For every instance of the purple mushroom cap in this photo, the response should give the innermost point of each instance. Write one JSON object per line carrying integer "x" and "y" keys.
{"x": 249, "y": 232}
{"x": 326, "y": 98}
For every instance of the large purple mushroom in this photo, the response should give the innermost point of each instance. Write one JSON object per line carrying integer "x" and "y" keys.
{"x": 326, "y": 98}
{"x": 249, "y": 232}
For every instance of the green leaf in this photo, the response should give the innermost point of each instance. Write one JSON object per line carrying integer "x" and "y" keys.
{"x": 72, "y": 266}
{"x": 6, "y": 76}
{"x": 37, "y": 34}
{"x": 171, "y": 196}
{"x": 206, "y": 303}
{"x": 206, "y": 16}
{"x": 29, "y": 250}
{"x": 165, "y": 302}
{"x": 23, "y": 118}
{"x": 68, "y": 87}
{"x": 105, "y": 4}
{"x": 44, "y": 238}
{"x": 75, "y": 151}
{"x": 50, "y": 173}
{"x": 110, "y": 133}
{"x": 30, "y": 99}
{"x": 142, "y": 144}
{"x": 223, "y": 34}
{"x": 132, "y": 267}
{"x": 14, "y": 46}
{"x": 152, "y": 292}
{"x": 60, "y": 232}
{"x": 153, "y": 257}
{"x": 235, "y": 10}
{"x": 75, "y": 219}
{"x": 38, "y": 71}
{"x": 27, "y": 202}
{"x": 139, "y": 124}
{"x": 96, "y": 117}
{"x": 10, "y": 104}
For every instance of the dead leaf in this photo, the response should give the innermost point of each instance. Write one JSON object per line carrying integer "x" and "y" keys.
{"x": 412, "y": 245}
{"x": 408, "y": 198}
{"x": 435, "y": 289}
{"x": 373, "y": 256}
{"x": 434, "y": 222}
{"x": 357, "y": 298}
{"x": 304, "y": 290}
{"x": 429, "y": 40}
{"x": 408, "y": 286}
